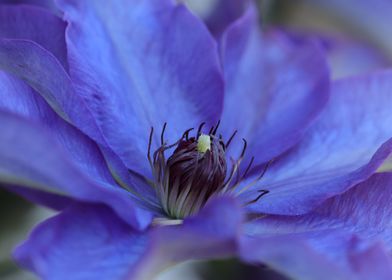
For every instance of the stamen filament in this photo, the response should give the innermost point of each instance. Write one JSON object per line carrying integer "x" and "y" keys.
{"x": 197, "y": 171}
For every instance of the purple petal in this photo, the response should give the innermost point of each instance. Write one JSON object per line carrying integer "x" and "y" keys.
{"x": 84, "y": 242}
{"x": 299, "y": 256}
{"x": 132, "y": 181}
{"x": 212, "y": 234}
{"x": 275, "y": 88}
{"x": 43, "y": 72}
{"x": 347, "y": 145}
{"x": 16, "y": 97}
{"x": 93, "y": 243}
{"x": 51, "y": 200}
{"x": 364, "y": 210}
{"x": 165, "y": 70}
{"x": 380, "y": 260}
{"x": 30, "y": 157}
{"x": 290, "y": 256}
{"x": 46, "y": 4}
{"x": 224, "y": 13}
{"x": 347, "y": 229}
{"x": 38, "y": 25}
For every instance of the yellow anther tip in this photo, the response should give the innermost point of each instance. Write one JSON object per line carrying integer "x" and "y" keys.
{"x": 203, "y": 143}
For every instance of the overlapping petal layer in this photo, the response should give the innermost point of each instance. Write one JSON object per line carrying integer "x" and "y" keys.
{"x": 30, "y": 157}
{"x": 350, "y": 230}
{"x": 90, "y": 242}
{"x": 34, "y": 56}
{"x": 28, "y": 23}
{"x": 275, "y": 88}
{"x": 156, "y": 63}
{"x": 222, "y": 13}
{"x": 363, "y": 210}
{"x": 346, "y": 145}
{"x": 83, "y": 242}
{"x": 307, "y": 256}
{"x": 44, "y": 73}
{"x": 16, "y": 97}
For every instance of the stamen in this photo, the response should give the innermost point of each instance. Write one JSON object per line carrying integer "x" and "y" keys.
{"x": 197, "y": 171}
{"x": 265, "y": 169}
{"x": 186, "y": 134}
{"x": 163, "y": 133}
{"x": 262, "y": 193}
{"x": 244, "y": 148}
{"x": 200, "y": 128}
{"x": 237, "y": 176}
{"x": 248, "y": 168}
{"x": 213, "y": 130}
{"x": 232, "y": 172}
{"x": 251, "y": 184}
{"x": 230, "y": 139}
{"x": 183, "y": 197}
{"x": 149, "y": 145}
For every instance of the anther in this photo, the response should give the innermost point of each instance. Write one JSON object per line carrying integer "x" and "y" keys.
{"x": 204, "y": 143}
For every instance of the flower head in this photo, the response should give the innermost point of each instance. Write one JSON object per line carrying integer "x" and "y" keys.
{"x": 77, "y": 106}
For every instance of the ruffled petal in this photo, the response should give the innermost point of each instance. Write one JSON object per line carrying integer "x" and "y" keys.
{"x": 364, "y": 210}
{"x": 139, "y": 64}
{"x": 30, "y": 157}
{"x": 324, "y": 256}
{"x": 46, "y": 76}
{"x": 352, "y": 230}
{"x": 17, "y": 97}
{"x": 92, "y": 243}
{"x": 83, "y": 242}
{"x": 346, "y": 146}
{"x": 275, "y": 87}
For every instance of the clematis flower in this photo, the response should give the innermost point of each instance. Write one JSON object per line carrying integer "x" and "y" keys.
{"x": 127, "y": 117}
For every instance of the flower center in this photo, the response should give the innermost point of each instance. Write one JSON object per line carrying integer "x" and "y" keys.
{"x": 195, "y": 172}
